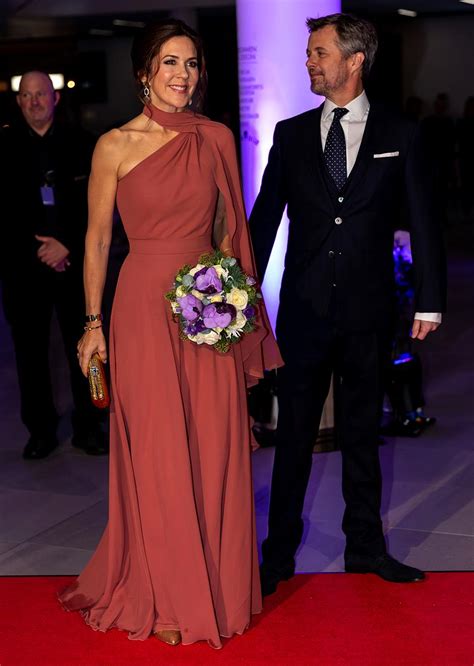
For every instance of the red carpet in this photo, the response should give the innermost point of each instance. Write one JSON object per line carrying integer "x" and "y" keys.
{"x": 322, "y": 619}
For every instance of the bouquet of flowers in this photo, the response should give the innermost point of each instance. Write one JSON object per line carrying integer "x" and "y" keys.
{"x": 214, "y": 302}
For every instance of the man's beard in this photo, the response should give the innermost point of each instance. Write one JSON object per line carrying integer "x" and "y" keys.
{"x": 324, "y": 87}
{"x": 320, "y": 87}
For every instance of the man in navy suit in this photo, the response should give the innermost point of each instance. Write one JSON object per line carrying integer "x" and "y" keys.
{"x": 343, "y": 170}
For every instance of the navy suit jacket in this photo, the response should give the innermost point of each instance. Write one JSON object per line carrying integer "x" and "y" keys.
{"x": 346, "y": 238}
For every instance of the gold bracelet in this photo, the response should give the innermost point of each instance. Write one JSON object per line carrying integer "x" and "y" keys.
{"x": 92, "y": 328}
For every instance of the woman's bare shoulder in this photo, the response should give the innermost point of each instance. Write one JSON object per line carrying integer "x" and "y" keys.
{"x": 110, "y": 143}
{"x": 118, "y": 137}
{"x": 114, "y": 144}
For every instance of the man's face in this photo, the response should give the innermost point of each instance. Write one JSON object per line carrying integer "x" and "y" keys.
{"x": 328, "y": 69}
{"x": 37, "y": 100}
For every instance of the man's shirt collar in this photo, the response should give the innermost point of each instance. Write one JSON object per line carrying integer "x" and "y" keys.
{"x": 358, "y": 108}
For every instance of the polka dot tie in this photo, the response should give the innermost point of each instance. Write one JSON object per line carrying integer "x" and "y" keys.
{"x": 335, "y": 149}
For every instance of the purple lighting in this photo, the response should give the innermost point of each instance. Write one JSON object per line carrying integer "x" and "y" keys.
{"x": 274, "y": 85}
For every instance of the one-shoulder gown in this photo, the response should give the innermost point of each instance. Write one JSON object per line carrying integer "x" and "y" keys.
{"x": 179, "y": 550}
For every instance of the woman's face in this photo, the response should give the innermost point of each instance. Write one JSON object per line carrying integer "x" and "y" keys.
{"x": 175, "y": 75}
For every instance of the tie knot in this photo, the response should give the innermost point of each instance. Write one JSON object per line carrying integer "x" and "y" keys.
{"x": 339, "y": 112}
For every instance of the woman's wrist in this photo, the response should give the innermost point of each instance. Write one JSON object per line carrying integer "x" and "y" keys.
{"x": 94, "y": 317}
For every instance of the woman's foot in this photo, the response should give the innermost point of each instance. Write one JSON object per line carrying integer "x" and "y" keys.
{"x": 169, "y": 636}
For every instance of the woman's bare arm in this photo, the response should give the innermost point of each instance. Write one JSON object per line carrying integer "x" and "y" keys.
{"x": 220, "y": 231}
{"x": 101, "y": 200}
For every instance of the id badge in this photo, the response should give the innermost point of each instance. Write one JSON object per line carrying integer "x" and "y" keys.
{"x": 47, "y": 195}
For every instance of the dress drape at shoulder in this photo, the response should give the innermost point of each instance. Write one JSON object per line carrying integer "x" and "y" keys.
{"x": 179, "y": 550}
{"x": 259, "y": 351}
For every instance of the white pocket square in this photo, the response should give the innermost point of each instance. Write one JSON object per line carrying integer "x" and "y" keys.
{"x": 396, "y": 153}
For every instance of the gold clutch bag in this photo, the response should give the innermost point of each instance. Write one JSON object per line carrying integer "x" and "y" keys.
{"x": 98, "y": 382}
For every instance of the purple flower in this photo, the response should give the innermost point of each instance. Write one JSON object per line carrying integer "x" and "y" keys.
{"x": 218, "y": 315}
{"x": 194, "y": 328}
{"x": 250, "y": 281}
{"x": 249, "y": 312}
{"x": 191, "y": 307}
{"x": 207, "y": 281}
{"x": 201, "y": 271}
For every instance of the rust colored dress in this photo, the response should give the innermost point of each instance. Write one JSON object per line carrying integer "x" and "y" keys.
{"x": 179, "y": 550}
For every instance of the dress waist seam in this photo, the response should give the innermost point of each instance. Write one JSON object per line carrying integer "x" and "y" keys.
{"x": 170, "y": 246}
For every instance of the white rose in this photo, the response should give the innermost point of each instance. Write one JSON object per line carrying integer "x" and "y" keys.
{"x": 222, "y": 273}
{"x": 206, "y": 338}
{"x": 197, "y": 268}
{"x": 180, "y": 291}
{"x": 198, "y": 294}
{"x": 238, "y": 298}
{"x": 215, "y": 298}
{"x": 236, "y": 327}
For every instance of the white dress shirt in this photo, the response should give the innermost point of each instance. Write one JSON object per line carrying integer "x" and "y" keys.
{"x": 353, "y": 125}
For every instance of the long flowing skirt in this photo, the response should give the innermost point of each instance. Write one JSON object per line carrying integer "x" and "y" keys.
{"x": 179, "y": 551}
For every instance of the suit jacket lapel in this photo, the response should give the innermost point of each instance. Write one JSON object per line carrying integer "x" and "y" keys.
{"x": 319, "y": 176}
{"x": 363, "y": 156}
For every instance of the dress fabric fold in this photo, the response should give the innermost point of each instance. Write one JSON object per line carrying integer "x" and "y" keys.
{"x": 179, "y": 550}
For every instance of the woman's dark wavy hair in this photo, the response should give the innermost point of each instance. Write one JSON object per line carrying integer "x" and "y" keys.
{"x": 147, "y": 45}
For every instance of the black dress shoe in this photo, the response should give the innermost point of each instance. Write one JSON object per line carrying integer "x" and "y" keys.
{"x": 270, "y": 576}
{"x": 93, "y": 442}
{"x": 39, "y": 447}
{"x": 386, "y": 567}
{"x": 264, "y": 436}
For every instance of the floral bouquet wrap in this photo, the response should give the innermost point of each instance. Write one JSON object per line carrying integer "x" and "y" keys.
{"x": 214, "y": 302}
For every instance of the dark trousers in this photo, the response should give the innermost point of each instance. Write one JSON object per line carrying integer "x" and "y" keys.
{"x": 360, "y": 361}
{"x": 29, "y": 300}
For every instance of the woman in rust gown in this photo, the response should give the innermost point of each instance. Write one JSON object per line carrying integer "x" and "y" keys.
{"x": 178, "y": 558}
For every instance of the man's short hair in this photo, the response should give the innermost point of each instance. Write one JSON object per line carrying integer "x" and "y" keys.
{"x": 354, "y": 35}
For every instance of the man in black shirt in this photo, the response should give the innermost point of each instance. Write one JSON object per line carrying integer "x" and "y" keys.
{"x": 43, "y": 185}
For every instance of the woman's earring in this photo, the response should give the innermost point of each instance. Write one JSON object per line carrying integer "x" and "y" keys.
{"x": 146, "y": 92}
{"x": 190, "y": 101}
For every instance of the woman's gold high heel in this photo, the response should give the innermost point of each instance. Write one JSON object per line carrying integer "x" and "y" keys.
{"x": 169, "y": 636}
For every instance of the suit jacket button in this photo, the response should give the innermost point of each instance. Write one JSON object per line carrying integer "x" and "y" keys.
{"x": 331, "y": 254}
{"x": 338, "y": 220}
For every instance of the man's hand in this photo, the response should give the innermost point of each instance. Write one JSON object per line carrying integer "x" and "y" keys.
{"x": 61, "y": 267}
{"x": 53, "y": 253}
{"x": 421, "y": 328}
